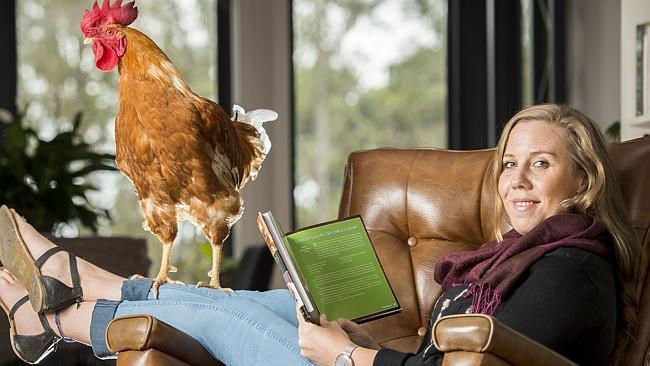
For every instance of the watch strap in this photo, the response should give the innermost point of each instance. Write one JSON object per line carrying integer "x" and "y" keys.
{"x": 350, "y": 349}
{"x": 345, "y": 357}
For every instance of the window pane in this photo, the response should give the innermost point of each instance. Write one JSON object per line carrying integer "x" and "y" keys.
{"x": 367, "y": 74}
{"x": 57, "y": 77}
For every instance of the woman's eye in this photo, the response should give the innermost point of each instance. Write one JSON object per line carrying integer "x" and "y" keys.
{"x": 541, "y": 164}
{"x": 508, "y": 164}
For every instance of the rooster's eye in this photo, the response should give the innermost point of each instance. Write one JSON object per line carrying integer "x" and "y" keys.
{"x": 110, "y": 32}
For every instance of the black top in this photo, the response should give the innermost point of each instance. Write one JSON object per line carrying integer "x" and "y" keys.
{"x": 566, "y": 301}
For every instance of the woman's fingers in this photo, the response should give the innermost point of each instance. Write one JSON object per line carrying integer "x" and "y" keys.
{"x": 348, "y": 325}
{"x": 357, "y": 333}
{"x": 321, "y": 344}
{"x": 323, "y": 320}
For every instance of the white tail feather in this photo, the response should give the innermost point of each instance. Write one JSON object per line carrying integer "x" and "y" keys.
{"x": 256, "y": 118}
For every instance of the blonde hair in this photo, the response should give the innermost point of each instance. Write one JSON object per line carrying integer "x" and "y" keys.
{"x": 601, "y": 200}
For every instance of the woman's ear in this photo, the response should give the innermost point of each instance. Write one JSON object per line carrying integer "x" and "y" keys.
{"x": 582, "y": 182}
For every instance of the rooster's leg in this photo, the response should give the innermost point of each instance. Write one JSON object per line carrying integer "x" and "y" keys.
{"x": 216, "y": 269}
{"x": 165, "y": 268}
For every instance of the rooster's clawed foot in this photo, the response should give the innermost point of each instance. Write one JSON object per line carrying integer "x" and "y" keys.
{"x": 214, "y": 283}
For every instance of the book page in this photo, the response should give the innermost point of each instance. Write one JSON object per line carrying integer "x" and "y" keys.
{"x": 341, "y": 270}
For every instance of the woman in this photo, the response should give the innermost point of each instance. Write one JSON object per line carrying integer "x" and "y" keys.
{"x": 554, "y": 277}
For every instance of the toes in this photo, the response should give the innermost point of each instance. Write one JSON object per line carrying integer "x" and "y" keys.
{"x": 7, "y": 276}
{"x": 154, "y": 289}
{"x": 216, "y": 287}
{"x": 159, "y": 281}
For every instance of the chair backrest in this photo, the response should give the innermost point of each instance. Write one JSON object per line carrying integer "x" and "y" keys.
{"x": 443, "y": 200}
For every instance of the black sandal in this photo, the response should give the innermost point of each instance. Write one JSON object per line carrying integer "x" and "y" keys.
{"x": 57, "y": 294}
{"x": 45, "y": 292}
{"x": 34, "y": 348}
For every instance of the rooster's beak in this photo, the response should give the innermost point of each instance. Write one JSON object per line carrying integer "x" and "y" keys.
{"x": 88, "y": 40}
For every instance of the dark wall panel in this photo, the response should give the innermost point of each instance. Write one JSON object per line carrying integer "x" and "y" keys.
{"x": 467, "y": 75}
{"x": 8, "y": 55}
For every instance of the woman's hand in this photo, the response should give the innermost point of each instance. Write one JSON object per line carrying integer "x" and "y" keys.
{"x": 357, "y": 334}
{"x": 321, "y": 344}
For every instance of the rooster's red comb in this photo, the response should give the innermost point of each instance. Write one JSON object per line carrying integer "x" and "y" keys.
{"x": 107, "y": 13}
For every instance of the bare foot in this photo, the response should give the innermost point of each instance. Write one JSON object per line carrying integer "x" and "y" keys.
{"x": 26, "y": 319}
{"x": 95, "y": 282}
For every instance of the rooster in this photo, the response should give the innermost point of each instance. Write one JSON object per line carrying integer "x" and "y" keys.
{"x": 186, "y": 158}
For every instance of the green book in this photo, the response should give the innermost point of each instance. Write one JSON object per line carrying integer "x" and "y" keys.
{"x": 333, "y": 267}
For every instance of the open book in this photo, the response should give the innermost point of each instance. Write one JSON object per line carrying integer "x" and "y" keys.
{"x": 333, "y": 267}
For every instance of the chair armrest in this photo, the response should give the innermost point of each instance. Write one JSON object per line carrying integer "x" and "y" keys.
{"x": 144, "y": 332}
{"x": 479, "y": 333}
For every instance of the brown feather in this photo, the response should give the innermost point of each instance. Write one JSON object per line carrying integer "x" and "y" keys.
{"x": 180, "y": 150}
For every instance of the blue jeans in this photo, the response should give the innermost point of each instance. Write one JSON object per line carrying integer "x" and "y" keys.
{"x": 240, "y": 328}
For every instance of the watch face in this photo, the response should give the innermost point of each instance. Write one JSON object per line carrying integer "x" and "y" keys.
{"x": 344, "y": 360}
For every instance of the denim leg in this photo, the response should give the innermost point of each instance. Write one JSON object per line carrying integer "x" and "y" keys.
{"x": 103, "y": 313}
{"x": 138, "y": 289}
{"x": 280, "y": 302}
{"x": 229, "y": 325}
{"x": 235, "y": 329}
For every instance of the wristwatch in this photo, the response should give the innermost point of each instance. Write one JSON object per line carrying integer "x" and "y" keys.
{"x": 345, "y": 358}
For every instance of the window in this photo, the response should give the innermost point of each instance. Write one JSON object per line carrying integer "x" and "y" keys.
{"x": 367, "y": 74}
{"x": 57, "y": 78}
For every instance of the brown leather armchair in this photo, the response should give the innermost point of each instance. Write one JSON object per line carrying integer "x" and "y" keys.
{"x": 441, "y": 199}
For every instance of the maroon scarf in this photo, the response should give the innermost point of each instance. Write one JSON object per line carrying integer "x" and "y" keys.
{"x": 492, "y": 271}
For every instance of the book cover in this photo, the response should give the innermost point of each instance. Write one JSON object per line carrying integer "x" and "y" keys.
{"x": 275, "y": 240}
{"x": 337, "y": 268}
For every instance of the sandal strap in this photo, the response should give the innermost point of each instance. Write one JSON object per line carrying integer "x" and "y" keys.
{"x": 57, "y": 322}
{"x": 74, "y": 275}
{"x": 17, "y": 305}
{"x": 74, "y": 270}
{"x": 44, "y": 322}
{"x": 41, "y": 317}
{"x": 43, "y": 258}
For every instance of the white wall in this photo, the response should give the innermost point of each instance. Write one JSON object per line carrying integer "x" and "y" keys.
{"x": 261, "y": 79}
{"x": 593, "y": 52}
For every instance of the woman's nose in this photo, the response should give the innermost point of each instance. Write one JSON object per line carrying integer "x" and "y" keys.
{"x": 519, "y": 178}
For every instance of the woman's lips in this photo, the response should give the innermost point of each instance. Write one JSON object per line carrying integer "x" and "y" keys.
{"x": 524, "y": 205}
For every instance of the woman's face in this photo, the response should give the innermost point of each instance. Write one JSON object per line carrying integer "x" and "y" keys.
{"x": 537, "y": 174}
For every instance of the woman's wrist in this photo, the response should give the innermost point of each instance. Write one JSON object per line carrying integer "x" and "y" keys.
{"x": 363, "y": 356}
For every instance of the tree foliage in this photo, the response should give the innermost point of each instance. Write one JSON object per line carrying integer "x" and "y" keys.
{"x": 336, "y": 114}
